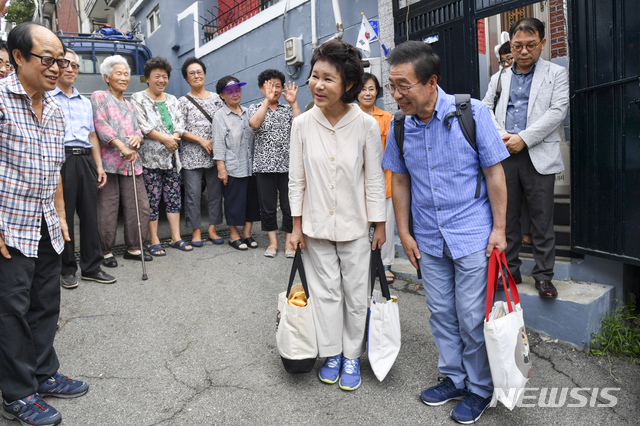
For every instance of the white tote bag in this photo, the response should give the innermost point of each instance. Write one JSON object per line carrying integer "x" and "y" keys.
{"x": 295, "y": 329}
{"x": 383, "y": 317}
{"x": 506, "y": 337}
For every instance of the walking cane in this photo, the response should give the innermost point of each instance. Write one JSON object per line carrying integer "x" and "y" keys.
{"x": 135, "y": 194}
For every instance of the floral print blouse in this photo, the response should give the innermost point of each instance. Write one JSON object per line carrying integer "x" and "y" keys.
{"x": 114, "y": 119}
{"x": 192, "y": 155}
{"x": 155, "y": 155}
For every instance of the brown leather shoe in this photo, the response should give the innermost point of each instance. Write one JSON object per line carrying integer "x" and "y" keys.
{"x": 546, "y": 289}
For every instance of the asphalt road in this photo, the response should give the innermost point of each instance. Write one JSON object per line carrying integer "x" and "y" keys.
{"x": 195, "y": 345}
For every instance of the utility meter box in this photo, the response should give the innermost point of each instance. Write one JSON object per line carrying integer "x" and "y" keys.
{"x": 293, "y": 51}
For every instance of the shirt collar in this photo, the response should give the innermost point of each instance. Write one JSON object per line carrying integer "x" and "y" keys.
{"x": 228, "y": 111}
{"x": 14, "y": 85}
{"x": 513, "y": 69}
{"x": 442, "y": 106}
{"x": 57, "y": 90}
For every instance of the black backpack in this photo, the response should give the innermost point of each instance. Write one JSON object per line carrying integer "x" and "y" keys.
{"x": 467, "y": 124}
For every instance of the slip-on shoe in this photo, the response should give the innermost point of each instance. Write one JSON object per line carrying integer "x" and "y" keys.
{"x": 238, "y": 244}
{"x": 147, "y": 257}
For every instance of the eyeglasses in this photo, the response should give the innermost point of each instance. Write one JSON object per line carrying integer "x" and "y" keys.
{"x": 4, "y": 64}
{"x": 74, "y": 66}
{"x": 403, "y": 90}
{"x": 199, "y": 73}
{"x": 530, "y": 46}
{"x": 507, "y": 62}
{"x": 48, "y": 61}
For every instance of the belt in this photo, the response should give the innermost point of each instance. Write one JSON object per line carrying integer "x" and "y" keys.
{"x": 76, "y": 150}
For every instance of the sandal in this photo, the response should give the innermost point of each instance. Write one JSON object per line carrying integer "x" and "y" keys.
{"x": 390, "y": 278}
{"x": 238, "y": 244}
{"x": 272, "y": 250}
{"x": 197, "y": 243}
{"x": 290, "y": 251}
{"x": 155, "y": 250}
{"x": 180, "y": 245}
{"x": 250, "y": 242}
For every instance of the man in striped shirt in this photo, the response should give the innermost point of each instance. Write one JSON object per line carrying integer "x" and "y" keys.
{"x": 32, "y": 228}
{"x": 455, "y": 232}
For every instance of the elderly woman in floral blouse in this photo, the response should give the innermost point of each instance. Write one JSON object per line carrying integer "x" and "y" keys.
{"x": 120, "y": 137}
{"x": 161, "y": 121}
{"x": 198, "y": 108}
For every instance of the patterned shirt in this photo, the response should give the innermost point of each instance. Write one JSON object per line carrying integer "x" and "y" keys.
{"x": 192, "y": 155}
{"x": 31, "y": 155}
{"x": 114, "y": 119}
{"x": 444, "y": 171}
{"x": 233, "y": 141}
{"x": 155, "y": 155}
{"x": 78, "y": 118}
{"x": 271, "y": 148}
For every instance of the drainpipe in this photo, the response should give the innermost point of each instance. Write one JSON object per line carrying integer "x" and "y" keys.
{"x": 314, "y": 36}
{"x": 336, "y": 13}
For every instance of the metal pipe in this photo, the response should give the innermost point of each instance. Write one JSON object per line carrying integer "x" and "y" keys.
{"x": 314, "y": 36}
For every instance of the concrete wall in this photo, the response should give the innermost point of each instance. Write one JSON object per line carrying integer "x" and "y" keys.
{"x": 254, "y": 45}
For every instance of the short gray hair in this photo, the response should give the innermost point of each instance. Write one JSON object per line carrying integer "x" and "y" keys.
{"x": 74, "y": 54}
{"x": 106, "y": 68}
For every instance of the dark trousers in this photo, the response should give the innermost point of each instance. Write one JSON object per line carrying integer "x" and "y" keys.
{"x": 241, "y": 201}
{"x": 523, "y": 180}
{"x": 29, "y": 309}
{"x": 80, "y": 186}
{"x": 269, "y": 184}
{"x": 192, "y": 180}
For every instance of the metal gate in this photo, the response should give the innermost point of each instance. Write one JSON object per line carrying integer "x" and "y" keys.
{"x": 604, "y": 56}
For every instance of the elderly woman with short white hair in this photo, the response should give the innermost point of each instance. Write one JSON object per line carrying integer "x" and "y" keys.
{"x": 120, "y": 137}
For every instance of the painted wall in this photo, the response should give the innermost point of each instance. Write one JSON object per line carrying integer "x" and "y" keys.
{"x": 246, "y": 55}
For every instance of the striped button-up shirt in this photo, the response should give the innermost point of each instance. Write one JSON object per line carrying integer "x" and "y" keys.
{"x": 31, "y": 155}
{"x": 444, "y": 169}
{"x": 78, "y": 118}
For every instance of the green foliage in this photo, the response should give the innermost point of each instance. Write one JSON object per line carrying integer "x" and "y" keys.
{"x": 619, "y": 334}
{"x": 20, "y": 11}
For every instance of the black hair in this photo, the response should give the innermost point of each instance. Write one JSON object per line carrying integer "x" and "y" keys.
{"x": 528, "y": 25}
{"x": 347, "y": 60}
{"x": 267, "y": 75}
{"x": 157, "y": 62}
{"x": 424, "y": 60}
{"x": 366, "y": 77}
{"x": 505, "y": 49}
{"x": 21, "y": 38}
{"x": 190, "y": 61}
{"x": 222, "y": 83}
{"x": 3, "y": 46}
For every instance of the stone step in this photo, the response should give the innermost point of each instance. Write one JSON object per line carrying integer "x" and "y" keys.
{"x": 572, "y": 317}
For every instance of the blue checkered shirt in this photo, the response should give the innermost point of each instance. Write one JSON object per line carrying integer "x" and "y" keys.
{"x": 78, "y": 118}
{"x": 444, "y": 170}
{"x": 31, "y": 155}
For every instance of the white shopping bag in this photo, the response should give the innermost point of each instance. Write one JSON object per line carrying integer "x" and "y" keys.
{"x": 506, "y": 337}
{"x": 383, "y": 318}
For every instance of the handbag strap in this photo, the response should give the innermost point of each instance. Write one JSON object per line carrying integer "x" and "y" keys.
{"x": 496, "y": 262}
{"x": 299, "y": 267}
{"x": 202, "y": 110}
{"x": 377, "y": 270}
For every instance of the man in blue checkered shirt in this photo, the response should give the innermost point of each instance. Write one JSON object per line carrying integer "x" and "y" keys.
{"x": 32, "y": 228}
{"x": 455, "y": 232}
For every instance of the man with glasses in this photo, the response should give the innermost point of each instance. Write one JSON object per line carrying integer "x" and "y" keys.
{"x": 82, "y": 175}
{"x": 455, "y": 232}
{"x": 32, "y": 228}
{"x": 529, "y": 116}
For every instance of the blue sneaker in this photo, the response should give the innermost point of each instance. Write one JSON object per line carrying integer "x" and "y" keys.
{"x": 470, "y": 409}
{"x": 62, "y": 387}
{"x": 31, "y": 410}
{"x": 441, "y": 393}
{"x": 350, "y": 377}
{"x": 330, "y": 370}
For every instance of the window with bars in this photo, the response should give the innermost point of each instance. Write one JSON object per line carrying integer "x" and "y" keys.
{"x": 230, "y": 13}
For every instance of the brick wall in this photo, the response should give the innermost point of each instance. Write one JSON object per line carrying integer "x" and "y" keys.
{"x": 482, "y": 44}
{"x": 557, "y": 31}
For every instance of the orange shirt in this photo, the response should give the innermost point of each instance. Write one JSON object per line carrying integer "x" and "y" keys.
{"x": 384, "y": 121}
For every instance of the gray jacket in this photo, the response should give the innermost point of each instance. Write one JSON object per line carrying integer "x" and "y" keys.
{"x": 548, "y": 106}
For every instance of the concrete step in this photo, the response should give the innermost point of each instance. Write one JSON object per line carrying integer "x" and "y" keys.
{"x": 572, "y": 317}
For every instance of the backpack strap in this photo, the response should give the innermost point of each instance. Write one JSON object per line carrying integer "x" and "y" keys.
{"x": 398, "y": 132}
{"x": 468, "y": 126}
